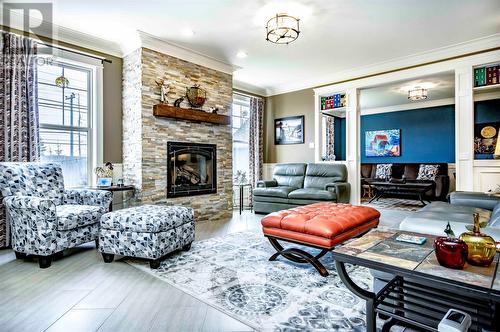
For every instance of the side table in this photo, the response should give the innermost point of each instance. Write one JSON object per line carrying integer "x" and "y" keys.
{"x": 241, "y": 187}
{"x": 114, "y": 189}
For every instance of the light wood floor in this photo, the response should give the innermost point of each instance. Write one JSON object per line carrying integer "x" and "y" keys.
{"x": 81, "y": 293}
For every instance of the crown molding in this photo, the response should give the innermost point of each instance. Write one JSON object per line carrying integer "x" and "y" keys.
{"x": 157, "y": 44}
{"x": 238, "y": 85}
{"x": 57, "y": 33}
{"x": 475, "y": 45}
{"x": 87, "y": 41}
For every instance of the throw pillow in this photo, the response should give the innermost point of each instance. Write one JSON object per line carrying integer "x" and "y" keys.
{"x": 427, "y": 172}
{"x": 383, "y": 171}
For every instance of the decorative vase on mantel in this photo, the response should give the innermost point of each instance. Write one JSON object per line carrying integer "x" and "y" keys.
{"x": 482, "y": 247}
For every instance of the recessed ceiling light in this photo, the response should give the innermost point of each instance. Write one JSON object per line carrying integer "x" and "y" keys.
{"x": 187, "y": 32}
{"x": 242, "y": 54}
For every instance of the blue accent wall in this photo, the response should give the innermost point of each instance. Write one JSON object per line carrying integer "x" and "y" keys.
{"x": 340, "y": 138}
{"x": 427, "y": 135}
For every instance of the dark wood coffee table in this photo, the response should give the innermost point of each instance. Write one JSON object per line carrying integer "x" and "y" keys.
{"x": 421, "y": 291}
{"x": 418, "y": 189}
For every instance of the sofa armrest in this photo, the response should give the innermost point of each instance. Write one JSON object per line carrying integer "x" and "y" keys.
{"x": 442, "y": 186}
{"x": 342, "y": 189}
{"x": 100, "y": 198}
{"x": 41, "y": 212}
{"x": 266, "y": 183}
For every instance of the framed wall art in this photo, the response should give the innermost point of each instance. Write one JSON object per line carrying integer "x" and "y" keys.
{"x": 289, "y": 130}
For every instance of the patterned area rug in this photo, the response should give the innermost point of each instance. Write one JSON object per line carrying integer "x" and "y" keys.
{"x": 394, "y": 204}
{"x": 233, "y": 274}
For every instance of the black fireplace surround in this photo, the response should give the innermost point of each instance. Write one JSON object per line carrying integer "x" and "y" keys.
{"x": 192, "y": 169}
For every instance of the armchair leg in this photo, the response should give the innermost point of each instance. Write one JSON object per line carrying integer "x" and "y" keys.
{"x": 20, "y": 255}
{"x": 44, "y": 261}
{"x": 186, "y": 247}
{"x": 108, "y": 258}
{"x": 97, "y": 243}
{"x": 154, "y": 263}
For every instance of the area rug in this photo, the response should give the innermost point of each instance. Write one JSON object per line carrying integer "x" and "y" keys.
{"x": 394, "y": 204}
{"x": 233, "y": 274}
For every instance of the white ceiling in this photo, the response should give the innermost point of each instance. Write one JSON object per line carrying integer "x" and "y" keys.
{"x": 440, "y": 87}
{"x": 336, "y": 35}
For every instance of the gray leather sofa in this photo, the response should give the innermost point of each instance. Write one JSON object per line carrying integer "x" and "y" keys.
{"x": 432, "y": 219}
{"x": 298, "y": 184}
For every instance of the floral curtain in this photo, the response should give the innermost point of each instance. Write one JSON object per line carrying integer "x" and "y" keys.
{"x": 256, "y": 140}
{"x": 330, "y": 138}
{"x": 19, "y": 126}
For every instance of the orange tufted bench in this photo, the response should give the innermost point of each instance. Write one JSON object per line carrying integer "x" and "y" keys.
{"x": 320, "y": 225}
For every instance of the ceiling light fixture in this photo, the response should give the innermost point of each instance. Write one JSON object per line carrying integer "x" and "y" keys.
{"x": 241, "y": 54}
{"x": 282, "y": 29}
{"x": 417, "y": 93}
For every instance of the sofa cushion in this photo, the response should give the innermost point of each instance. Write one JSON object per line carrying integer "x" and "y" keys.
{"x": 319, "y": 175}
{"x": 280, "y": 191}
{"x": 290, "y": 175}
{"x": 71, "y": 216}
{"x": 147, "y": 218}
{"x": 427, "y": 172}
{"x": 411, "y": 171}
{"x": 383, "y": 171}
{"x": 366, "y": 171}
{"x": 270, "y": 199}
{"x": 313, "y": 194}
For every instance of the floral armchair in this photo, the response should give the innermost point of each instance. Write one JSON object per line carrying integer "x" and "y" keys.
{"x": 45, "y": 218}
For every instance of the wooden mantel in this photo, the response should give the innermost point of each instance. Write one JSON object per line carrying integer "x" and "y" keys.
{"x": 167, "y": 111}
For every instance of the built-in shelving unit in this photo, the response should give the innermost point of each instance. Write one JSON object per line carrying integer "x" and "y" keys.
{"x": 167, "y": 111}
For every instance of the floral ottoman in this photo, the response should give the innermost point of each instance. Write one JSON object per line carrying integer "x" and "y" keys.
{"x": 147, "y": 231}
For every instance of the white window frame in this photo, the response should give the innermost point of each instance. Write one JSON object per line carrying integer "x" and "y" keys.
{"x": 240, "y": 103}
{"x": 95, "y": 124}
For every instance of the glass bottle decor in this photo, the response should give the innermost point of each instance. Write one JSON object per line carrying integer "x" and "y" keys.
{"x": 482, "y": 247}
{"x": 450, "y": 251}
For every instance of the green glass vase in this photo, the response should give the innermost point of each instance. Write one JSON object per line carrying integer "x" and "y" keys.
{"x": 482, "y": 247}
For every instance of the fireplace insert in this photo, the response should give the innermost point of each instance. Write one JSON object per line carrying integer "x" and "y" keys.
{"x": 192, "y": 169}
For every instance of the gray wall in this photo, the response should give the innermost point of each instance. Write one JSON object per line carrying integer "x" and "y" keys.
{"x": 112, "y": 95}
{"x": 289, "y": 104}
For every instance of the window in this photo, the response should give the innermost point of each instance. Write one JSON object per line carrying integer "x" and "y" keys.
{"x": 240, "y": 125}
{"x": 66, "y": 119}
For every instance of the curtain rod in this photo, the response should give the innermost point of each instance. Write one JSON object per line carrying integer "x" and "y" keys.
{"x": 66, "y": 49}
{"x": 76, "y": 52}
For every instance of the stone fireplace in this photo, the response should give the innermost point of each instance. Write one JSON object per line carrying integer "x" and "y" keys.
{"x": 146, "y": 138}
{"x": 191, "y": 169}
